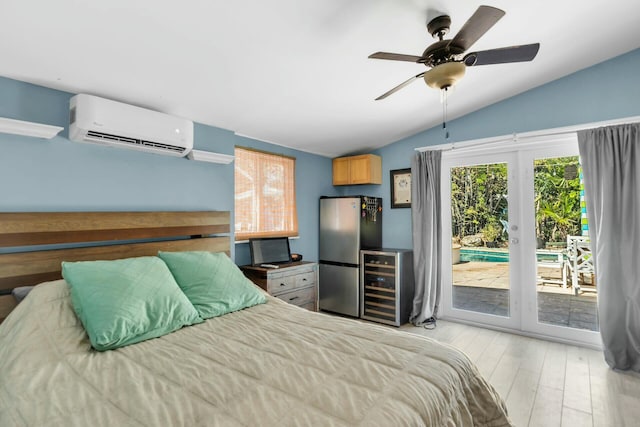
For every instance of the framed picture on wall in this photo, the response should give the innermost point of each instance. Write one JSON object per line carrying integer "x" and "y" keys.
{"x": 400, "y": 188}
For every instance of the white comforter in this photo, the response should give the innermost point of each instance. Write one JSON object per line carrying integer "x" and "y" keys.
{"x": 273, "y": 364}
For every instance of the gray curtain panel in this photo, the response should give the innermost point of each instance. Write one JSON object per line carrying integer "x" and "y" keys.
{"x": 427, "y": 234}
{"x": 611, "y": 166}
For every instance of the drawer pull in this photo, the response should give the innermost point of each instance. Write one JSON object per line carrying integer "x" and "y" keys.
{"x": 282, "y": 284}
{"x": 304, "y": 279}
{"x": 292, "y": 298}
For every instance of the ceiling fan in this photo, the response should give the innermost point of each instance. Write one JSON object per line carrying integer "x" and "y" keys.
{"x": 445, "y": 57}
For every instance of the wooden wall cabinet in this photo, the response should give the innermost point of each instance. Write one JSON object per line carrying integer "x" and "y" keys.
{"x": 362, "y": 169}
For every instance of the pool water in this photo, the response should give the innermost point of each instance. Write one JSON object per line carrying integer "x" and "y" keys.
{"x": 484, "y": 255}
{"x": 493, "y": 255}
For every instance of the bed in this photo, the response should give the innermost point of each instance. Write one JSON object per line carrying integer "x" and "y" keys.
{"x": 270, "y": 364}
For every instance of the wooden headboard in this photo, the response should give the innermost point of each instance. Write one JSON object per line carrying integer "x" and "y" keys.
{"x": 105, "y": 236}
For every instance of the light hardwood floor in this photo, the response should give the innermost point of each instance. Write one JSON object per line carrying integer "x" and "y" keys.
{"x": 545, "y": 383}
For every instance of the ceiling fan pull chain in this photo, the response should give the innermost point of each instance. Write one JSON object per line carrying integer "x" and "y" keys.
{"x": 444, "y": 94}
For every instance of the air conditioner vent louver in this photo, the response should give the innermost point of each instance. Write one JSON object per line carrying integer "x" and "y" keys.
{"x": 105, "y": 137}
{"x": 103, "y": 121}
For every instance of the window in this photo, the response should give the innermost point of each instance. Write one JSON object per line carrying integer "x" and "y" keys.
{"x": 265, "y": 195}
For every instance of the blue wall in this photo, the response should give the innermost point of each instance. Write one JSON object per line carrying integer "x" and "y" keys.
{"x": 579, "y": 98}
{"x": 60, "y": 175}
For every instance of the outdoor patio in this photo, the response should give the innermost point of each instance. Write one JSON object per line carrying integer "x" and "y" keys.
{"x": 484, "y": 287}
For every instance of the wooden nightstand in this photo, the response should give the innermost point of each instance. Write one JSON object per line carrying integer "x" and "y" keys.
{"x": 295, "y": 283}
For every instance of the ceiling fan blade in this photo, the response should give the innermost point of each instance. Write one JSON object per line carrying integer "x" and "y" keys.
{"x": 502, "y": 55}
{"x": 400, "y": 86}
{"x": 480, "y": 22}
{"x": 394, "y": 56}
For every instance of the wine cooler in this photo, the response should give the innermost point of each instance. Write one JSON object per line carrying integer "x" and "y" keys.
{"x": 386, "y": 285}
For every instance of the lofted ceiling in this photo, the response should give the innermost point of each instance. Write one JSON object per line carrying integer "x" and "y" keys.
{"x": 295, "y": 72}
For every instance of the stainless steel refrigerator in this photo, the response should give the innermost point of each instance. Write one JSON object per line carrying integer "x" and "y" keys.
{"x": 347, "y": 224}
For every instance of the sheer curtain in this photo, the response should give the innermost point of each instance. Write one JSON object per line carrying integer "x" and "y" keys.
{"x": 427, "y": 235}
{"x": 611, "y": 167}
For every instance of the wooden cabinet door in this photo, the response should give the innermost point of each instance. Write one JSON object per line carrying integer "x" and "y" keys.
{"x": 341, "y": 171}
{"x": 360, "y": 169}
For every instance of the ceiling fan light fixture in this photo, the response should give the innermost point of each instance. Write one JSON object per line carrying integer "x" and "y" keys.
{"x": 444, "y": 75}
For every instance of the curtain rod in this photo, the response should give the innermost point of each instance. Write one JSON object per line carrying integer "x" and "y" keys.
{"x": 566, "y": 130}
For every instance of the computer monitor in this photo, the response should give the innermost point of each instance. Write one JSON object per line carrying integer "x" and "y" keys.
{"x": 270, "y": 250}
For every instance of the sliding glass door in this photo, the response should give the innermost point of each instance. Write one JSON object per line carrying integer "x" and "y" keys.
{"x": 516, "y": 249}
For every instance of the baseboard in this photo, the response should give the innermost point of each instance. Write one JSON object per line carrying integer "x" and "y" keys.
{"x": 523, "y": 333}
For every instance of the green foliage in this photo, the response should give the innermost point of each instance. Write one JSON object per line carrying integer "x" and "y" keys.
{"x": 557, "y": 199}
{"x": 491, "y": 232}
{"x": 479, "y": 199}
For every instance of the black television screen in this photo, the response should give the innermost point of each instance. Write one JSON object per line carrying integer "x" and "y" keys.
{"x": 270, "y": 250}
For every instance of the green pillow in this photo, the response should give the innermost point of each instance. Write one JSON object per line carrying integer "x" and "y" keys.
{"x": 126, "y": 301}
{"x": 212, "y": 282}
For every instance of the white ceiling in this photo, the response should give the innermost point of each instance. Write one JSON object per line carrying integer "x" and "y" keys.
{"x": 296, "y": 72}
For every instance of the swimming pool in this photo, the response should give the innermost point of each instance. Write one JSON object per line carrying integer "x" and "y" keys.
{"x": 497, "y": 255}
{"x": 484, "y": 255}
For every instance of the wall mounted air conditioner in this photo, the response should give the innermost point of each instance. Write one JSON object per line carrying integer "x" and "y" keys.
{"x": 102, "y": 121}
